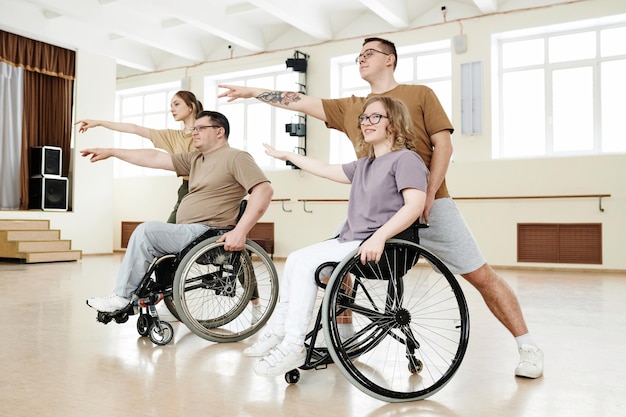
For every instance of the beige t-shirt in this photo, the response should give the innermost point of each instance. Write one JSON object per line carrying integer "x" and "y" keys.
{"x": 172, "y": 141}
{"x": 426, "y": 112}
{"x": 218, "y": 181}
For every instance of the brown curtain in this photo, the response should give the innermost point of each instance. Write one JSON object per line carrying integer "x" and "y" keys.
{"x": 48, "y": 98}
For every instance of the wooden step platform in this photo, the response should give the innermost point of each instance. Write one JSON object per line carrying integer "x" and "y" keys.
{"x": 32, "y": 241}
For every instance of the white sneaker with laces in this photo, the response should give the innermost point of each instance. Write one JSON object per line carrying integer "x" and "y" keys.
{"x": 257, "y": 313}
{"x": 530, "y": 362}
{"x": 266, "y": 342}
{"x": 279, "y": 361}
{"x": 108, "y": 304}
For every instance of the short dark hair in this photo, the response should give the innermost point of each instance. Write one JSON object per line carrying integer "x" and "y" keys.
{"x": 388, "y": 47}
{"x": 218, "y": 118}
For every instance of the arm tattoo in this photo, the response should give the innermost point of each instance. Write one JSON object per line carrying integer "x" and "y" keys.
{"x": 279, "y": 97}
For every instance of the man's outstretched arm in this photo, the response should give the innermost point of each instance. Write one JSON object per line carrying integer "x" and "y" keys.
{"x": 149, "y": 158}
{"x": 289, "y": 100}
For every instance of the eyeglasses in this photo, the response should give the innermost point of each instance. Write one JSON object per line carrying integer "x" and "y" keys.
{"x": 201, "y": 128}
{"x": 367, "y": 54}
{"x": 373, "y": 119}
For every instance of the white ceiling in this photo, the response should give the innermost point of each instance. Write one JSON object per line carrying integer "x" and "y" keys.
{"x": 154, "y": 35}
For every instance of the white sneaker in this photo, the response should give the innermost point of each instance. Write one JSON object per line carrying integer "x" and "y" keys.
{"x": 108, "y": 304}
{"x": 266, "y": 342}
{"x": 530, "y": 362}
{"x": 280, "y": 360}
{"x": 257, "y": 313}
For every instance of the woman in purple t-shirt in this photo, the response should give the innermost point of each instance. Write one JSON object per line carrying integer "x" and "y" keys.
{"x": 386, "y": 197}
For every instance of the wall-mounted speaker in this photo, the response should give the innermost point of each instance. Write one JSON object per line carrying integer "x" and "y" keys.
{"x": 45, "y": 160}
{"x": 48, "y": 193}
{"x": 460, "y": 44}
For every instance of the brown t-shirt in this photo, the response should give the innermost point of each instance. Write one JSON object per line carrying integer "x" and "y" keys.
{"x": 218, "y": 181}
{"x": 426, "y": 111}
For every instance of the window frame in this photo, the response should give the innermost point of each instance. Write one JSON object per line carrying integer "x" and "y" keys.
{"x": 122, "y": 169}
{"x": 547, "y": 34}
{"x": 243, "y": 126}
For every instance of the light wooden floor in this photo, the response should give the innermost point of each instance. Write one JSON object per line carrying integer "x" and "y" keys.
{"x": 56, "y": 360}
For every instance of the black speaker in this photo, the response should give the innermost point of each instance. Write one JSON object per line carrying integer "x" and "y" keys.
{"x": 45, "y": 160}
{"x": 48, "y": 193}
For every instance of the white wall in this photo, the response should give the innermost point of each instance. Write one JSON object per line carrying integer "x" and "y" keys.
{"x": 472, "y": 174}
{"x": 90, "y": 223}
{"x": 95, "y": 225}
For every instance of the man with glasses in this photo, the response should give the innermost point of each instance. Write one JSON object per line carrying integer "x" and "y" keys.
{"x": 448, "y": 235}
{"x": 219, "y": 178}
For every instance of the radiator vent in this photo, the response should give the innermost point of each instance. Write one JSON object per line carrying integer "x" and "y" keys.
{"x": 127, "y": 229}
{"x": 570, "y": 243}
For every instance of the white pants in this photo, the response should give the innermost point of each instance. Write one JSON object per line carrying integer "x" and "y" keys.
{"x": 298, "y": 288}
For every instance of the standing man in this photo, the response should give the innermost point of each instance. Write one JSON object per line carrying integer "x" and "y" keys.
{"x": 448, "y": 235}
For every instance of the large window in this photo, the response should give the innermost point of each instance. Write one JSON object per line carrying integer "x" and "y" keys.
{"x": 559, "y": 91}
{"x": 427, "y": 64}
{"x": 149, "y": 107}
{"x": 252, "y": 122}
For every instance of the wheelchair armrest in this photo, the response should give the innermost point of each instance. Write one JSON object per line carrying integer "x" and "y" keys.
{"x": 242, "y": 208}
{"x": 412, "y": 232}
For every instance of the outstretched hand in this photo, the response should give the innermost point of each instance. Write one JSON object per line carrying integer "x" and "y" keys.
{"x": 274, "y": 153}
{"x": 86, "y": 125}
{"x": 236, "y": 91}
{"x": 97, "y": 154}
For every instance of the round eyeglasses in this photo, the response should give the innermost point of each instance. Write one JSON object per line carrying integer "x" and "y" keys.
{"x": 373, "y": 119}
{"x": 367, "y": 54}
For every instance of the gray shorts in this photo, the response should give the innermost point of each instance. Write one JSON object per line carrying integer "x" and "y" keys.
{"x": 450, "y": 239}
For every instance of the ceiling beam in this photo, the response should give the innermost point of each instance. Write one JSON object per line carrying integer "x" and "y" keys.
{"x": 486, "y": 6}
{"x": 25, "y": 19}
{"x": 115, "y": 17}
{"x": 393, "y": 12}
{"x": 211, "y": 19}
{"x": 305, "y": 18}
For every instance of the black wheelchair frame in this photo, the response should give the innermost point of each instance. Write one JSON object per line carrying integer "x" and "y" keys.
{"x": 211, "y": 290}
{"x": 409, "y": 316}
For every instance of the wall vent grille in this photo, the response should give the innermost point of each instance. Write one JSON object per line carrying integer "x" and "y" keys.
{"x": 571, "y": 243}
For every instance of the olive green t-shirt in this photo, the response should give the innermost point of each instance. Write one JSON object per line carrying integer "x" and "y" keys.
{"x": 426, "y": 112}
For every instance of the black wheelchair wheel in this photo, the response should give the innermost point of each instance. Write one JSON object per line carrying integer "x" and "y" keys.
{"x": 410, "y": 319}
{"x": 225, "y": 296}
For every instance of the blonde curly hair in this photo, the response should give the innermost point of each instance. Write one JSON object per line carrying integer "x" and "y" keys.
{"x": 400, "y": 128}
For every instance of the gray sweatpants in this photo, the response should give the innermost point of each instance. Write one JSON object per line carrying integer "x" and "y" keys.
{"x": 450, "y": 239}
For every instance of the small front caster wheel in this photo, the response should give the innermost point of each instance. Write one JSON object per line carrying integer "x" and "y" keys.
{"x": 416, "y": 367}
{"x": 143, "y": 324}
{"x": 293, "y": 376}
{"x": 161, "y": 333}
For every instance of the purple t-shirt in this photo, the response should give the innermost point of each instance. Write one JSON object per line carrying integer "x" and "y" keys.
{"x": 376, "y": 192}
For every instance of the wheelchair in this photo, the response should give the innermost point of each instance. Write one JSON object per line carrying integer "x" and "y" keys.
{"x": 409, "y": 316}
{"x": 219, "y": 295}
